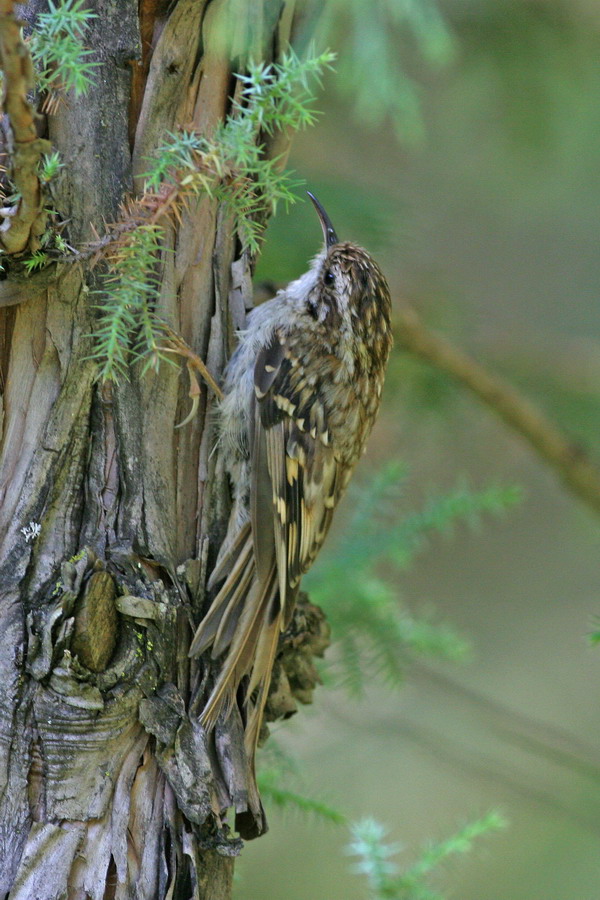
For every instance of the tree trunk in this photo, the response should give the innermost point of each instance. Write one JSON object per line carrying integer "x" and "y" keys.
{"x": 108, "y": 785}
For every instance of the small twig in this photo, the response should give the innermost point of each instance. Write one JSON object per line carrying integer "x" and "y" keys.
{"x": 21, "y": 228}
{"x": 148, "y": 209}
{"x": 577, "y": 472}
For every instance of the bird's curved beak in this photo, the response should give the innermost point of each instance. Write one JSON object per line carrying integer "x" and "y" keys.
{"x": 329, "y": 234}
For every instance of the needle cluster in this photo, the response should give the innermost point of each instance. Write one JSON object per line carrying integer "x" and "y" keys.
{"x": 57, "y": 47}
{"x": 231, "y": 167}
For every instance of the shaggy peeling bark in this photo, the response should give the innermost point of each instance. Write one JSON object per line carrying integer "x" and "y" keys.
{"x": 108, "y": 785}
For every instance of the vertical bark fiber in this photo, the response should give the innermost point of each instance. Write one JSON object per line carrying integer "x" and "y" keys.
{"x": 108, "y": 786}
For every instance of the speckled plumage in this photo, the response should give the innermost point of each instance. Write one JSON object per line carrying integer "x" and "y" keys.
{"x": 301, "y": 394}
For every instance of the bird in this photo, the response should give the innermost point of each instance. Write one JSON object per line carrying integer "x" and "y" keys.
{"x": 300, "y": 395}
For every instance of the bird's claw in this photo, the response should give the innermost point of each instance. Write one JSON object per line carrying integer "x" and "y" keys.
{"x": 176, "y": 344}
{"x": 194, "y": 395}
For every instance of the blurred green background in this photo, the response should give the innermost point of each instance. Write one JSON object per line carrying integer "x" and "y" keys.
{"x": 489, "y": 225}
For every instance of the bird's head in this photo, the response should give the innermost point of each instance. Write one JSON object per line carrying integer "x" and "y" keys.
{"x": 348, "y": 291}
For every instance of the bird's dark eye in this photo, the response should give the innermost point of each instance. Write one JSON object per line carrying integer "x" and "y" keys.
{"x": 328, "y": 277}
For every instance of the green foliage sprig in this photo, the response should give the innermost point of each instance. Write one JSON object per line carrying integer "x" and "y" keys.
{"x": 38, "y": 260}
{"x": 282, "y": 785}
{"x": 131, "y": 291}
{"x": 374, "y": 633}
{"x": 386, "y": 881}
{"x": 58, "y": 51}
{"x": 50, "y": 166}
{"x": 274, "y": 790}
{"x": 377, "y": 42}
{"x": 229, "y": 166}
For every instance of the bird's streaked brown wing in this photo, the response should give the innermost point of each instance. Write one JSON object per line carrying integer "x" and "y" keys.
{"x": 301, "y": 468}
{"x": 296, "y": 480}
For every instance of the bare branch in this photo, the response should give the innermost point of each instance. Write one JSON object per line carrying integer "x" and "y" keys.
{"x": 577, "y": 472}
{"x": 25, "y": 221}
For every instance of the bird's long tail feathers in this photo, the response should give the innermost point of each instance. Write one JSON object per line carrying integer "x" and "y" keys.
{"x": 229, "y": 552}
{"x": 244, "y": 620}
{"x": 227, "y": 602}
{"x": 266, "y": 650}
